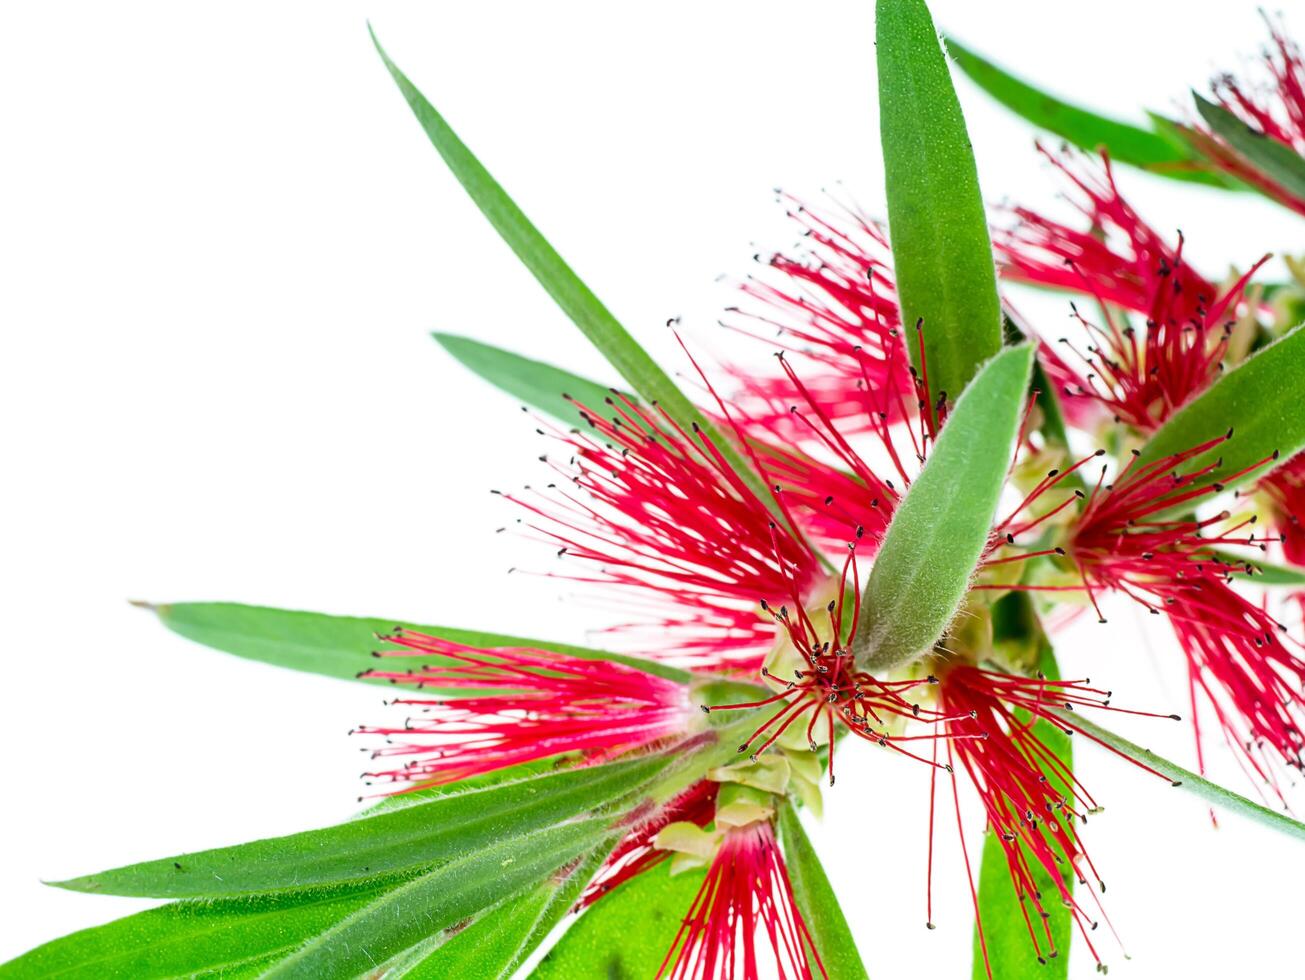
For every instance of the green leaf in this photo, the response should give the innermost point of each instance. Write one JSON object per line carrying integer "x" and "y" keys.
{"x": 188, "y": 939}
{"x": 338, "y": 646}
{"x": 1262, "y": 572}
{"x": 938, "y": 533}
{"x": 626, "y": 934}
{"x": 500, "y": 941}
{"x": 486, "y": 948}
{"x": 537, "y": 384}
{"x": 438, "y": 900}
{"x": 1158, "y": 152}
{"x": 1259, "y": 400}
{"x": 1005, "y": 931}
{"x": 1226, "y": 799}
{"x": 577, "y": 301}
{"x": 816, "y": 900}
{"x": 942, "y": 257}
{"x": 1280, "y": 163}
{"x": 383, "y": 843}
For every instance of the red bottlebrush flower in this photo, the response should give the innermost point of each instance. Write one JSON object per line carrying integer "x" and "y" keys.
{"x": 746, "y": 892}
{"x": 1238, "y": 655}
{"x": 663, "y": 515}
{"x": 1139, "y": 377}
{"x": 1276, "y": 110}
{"x": 1285, "y": 487}
{"x": 836, "y": 304}
{"x": 521, "y": 705}
{"x": 1118, "y": 258}
{"x": 636, "y": 853}
{"x": 1030, "y": 800}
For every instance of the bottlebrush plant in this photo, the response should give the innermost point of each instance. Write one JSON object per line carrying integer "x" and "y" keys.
{"x": 865, "y": 548}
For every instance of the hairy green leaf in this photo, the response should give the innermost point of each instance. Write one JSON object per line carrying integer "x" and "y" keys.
{"x": 1259, "y": 400}
{"x": 1280, "y": 163}
{"x": 537, "y": 384}
{"x": 1010, "y": 950}
{"x": 1226, "y": 799}
{"x": 503, "y": 939}
{"x": 437, "y": 900}
{"x": 626, "y": 934}
{"x": 382, "y": 843}
{"x": 338, "y": 646}
{"x": 938, "y": 533}
{"x": 188, "y": 939}
{"x": 595, "y": 321}
{"x": 816, "y": 900}
{"x": 942, "y": 257}
{"x": 1159, "y": 152}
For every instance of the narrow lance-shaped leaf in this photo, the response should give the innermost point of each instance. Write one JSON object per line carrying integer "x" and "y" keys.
{"x": 188, "y": 939}
{"x": 438, "y": 900}
{"x": 942, "y": 257}
{"x": 1226, "y": 799}
{"x": 384, "y": 842}
{"x": 588, "y": 313}
{"x": 1283, "y": 165}
{"x": 537, "y": 384}
{"x": 339, "y": 646}
{"x": 816, "y": 900}
{"x": 1159, "y": 152}
{"x": 504, "y": 937}
{"x": 1005, "y": 929}
{"x": 939, "y": 531}
{"x": 1259, "y": 400}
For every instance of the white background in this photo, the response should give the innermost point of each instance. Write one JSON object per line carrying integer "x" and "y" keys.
{"x": 223, "y": 242}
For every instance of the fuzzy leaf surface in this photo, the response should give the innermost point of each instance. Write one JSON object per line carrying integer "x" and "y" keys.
{"x": 942, "y": 256}
{"x": 436, "y": 900}
{"x": 383, "y": 843}
{"x": 939, "y": 530}
{"x": 232, "y": 938}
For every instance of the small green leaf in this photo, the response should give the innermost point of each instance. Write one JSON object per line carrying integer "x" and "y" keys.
{"x": 938, "y": 533}
{"x": 816, "y": 900}
{"x": 577, "y": 301}
{"x": 1160, "y": 152}
{"x": 1189, "y": 781}
{"x": 1005, "y": 929}
{"x": 1280, "y": 163}
{"x": 382, "y": 843}
{"x": 188, "y": 939}
{"x": 437, "y": 900}
{"x": 626, "y": 934}
{"x": 1259, "y": 400}
{"x": 942, "y": 257}
{"x": 338, "y": 646}
{"x": 537, "y": 384}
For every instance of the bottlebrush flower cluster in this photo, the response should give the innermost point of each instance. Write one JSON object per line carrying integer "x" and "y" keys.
{"x": 759, "y": 595}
